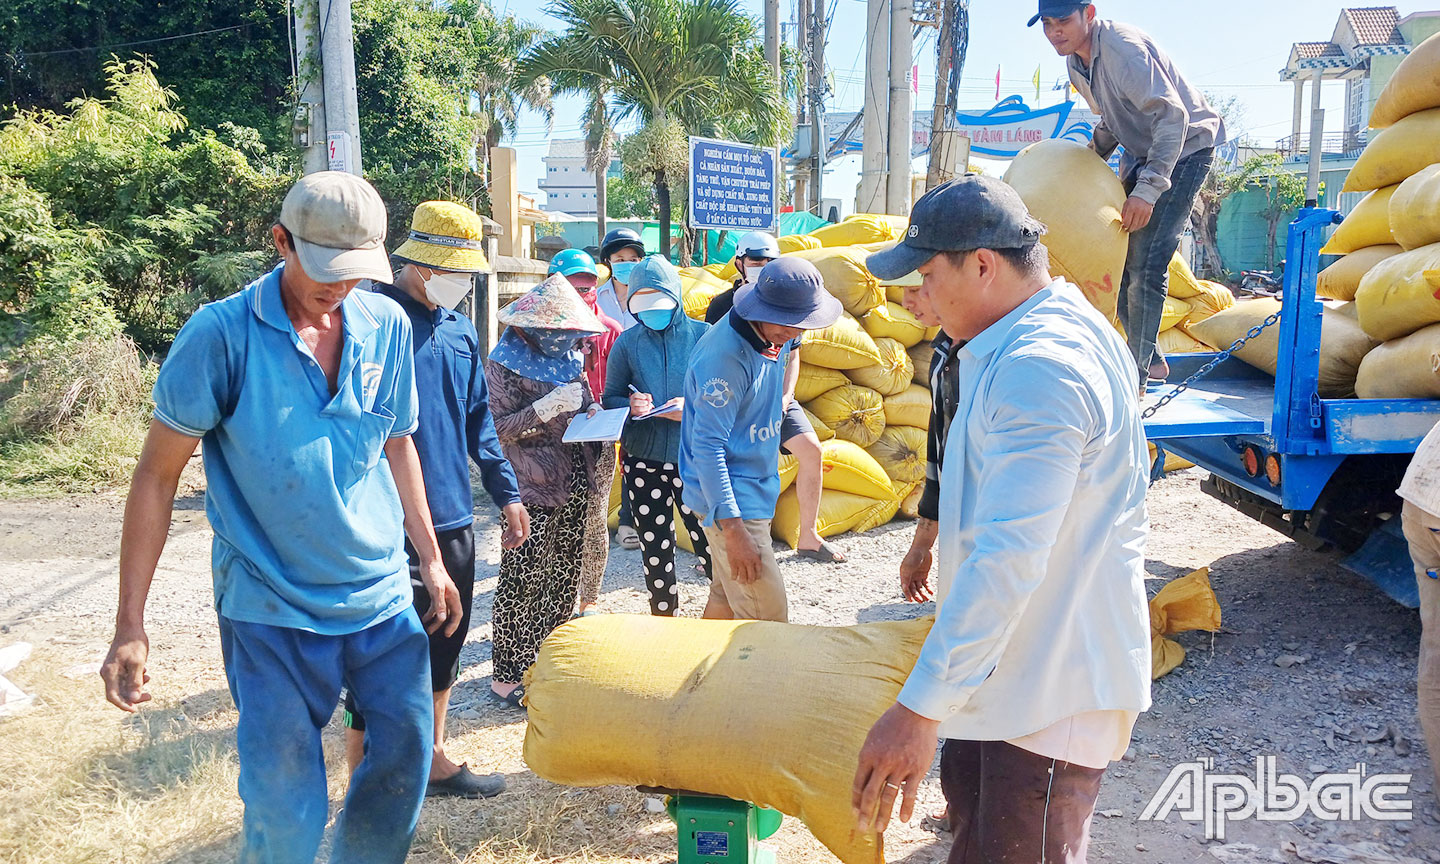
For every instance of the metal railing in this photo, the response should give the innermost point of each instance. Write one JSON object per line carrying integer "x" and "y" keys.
{"x": 1334, "y": 144}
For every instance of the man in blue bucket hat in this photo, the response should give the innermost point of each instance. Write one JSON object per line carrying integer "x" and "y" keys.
{"x": 730, "y": 432}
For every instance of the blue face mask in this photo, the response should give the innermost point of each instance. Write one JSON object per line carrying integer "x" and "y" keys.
{"x": 656, "y": 319}
{"x": 621, "y": 271}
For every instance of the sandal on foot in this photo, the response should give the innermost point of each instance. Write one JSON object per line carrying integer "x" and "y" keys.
{"x": 466, "y": 784}
{"x": 629, "y": 538}
{"x": 514, "y": 700}
{"x": 826, "y": 554}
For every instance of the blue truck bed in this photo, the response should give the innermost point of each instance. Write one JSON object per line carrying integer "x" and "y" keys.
{"x": 1321, "y": 470}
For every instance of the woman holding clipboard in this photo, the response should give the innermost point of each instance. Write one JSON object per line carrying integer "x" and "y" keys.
{"x": 646, "y": 373}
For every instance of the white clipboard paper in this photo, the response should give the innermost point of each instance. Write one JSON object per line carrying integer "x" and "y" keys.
{"x": 604, "y": 426}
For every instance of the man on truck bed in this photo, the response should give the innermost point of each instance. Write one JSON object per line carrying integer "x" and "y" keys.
{"x": 1169, "y": 132}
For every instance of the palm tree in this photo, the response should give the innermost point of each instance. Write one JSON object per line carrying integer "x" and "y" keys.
{"x": 498, "y": 96}
{"x": 599, "y": 152}
{"x": 679, "y": 67}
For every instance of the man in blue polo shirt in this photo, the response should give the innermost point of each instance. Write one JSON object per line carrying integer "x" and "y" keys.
{"x": 438, "y": 262}
{"x": 730, "y": 432}
{"x": 303, "y": 392}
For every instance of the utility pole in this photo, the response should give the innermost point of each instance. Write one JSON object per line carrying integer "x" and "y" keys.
{"x": 342, "y": 110}
{"x": 772, "y": 37}
{"x": 902, "y": 43}
{"x": 802, "y": 113}
{"x": 819, "y": 141}
{"x": 309, "y": 124}
{"x": 939, "y": 116}
{"x": 876, "y": 109}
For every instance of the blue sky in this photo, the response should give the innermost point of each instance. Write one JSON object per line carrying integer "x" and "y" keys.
{"x": 1225, "y": 47}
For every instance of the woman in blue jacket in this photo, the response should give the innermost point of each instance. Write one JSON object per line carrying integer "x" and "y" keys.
{"x": 647, "y": 370}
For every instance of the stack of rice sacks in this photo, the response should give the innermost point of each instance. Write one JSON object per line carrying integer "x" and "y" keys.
{"x": 1392, "y": 238}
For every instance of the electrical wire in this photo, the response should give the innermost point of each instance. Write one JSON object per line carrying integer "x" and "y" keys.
{"x": 129, "y": 44}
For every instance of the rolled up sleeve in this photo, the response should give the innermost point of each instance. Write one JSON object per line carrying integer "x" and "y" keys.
{"x": 1040, "y": 415}
{"x": 1159, "y": 102}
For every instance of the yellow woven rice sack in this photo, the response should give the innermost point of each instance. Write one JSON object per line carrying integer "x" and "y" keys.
{"x": 842, "y": 345}
{"x": 718, "y": 268}
{"x": 1341, "y": 280}
{"x": 839, "y": 512}
{"x": 1415, "y": 209}
{"x": 910, "y": 502}
{"x": 920, "y": 358}
{"x": 859, "y": 228}
{"x": 1172, "y": 462}
{"x": 880, "y": 514}
{"x": 931, "y": 333}
{"x": 901, "y": 453}
{"x": 1367, "y": 225}
{"x": 892, "y": 374}
{"x": 1414, "y": 86}
{"x": 849, "y": 468}
{"x": 894, "y": 321}
{"x": 600, "y": 680}
{"x": 1342, "y": 343}
{"x": 789, "y": 465}
{"x": 1397, "y": 297}
{"x": 1177, "y": 341}
{"x": 698, "y": 287}
{"x": 1409, "y": 145}
{"x": 1404, "y": 368}
{"x": 1077, "y": 196}
{"x": 894, "y": 294}
{"x": 843, "y": 268}
{"x": 855, "y": 413}
{"x": 814, "y": 380}
{"x": 822, "y": 429}
{"x": 1182, "y": 282}
{"x": 1184, "y": 604}
{"x": 1175, "y": 311}
{"x": 909, "y": 408}
{"x": 1212, "y": 297}
{"x": 612, "y": 508}
{"x": 795, "y": 242}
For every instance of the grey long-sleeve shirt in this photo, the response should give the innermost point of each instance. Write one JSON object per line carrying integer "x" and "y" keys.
{"x": 1144, "y": 105}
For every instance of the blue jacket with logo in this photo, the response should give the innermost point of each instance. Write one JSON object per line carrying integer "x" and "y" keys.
{"x": 655, "y": 361}
{"x": 730, "y": 434}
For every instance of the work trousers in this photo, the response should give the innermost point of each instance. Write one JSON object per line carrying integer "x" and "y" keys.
{"x": 286, "y": 683}
{"x": 1422, "y": 532}
{"x": 761, "y": 600}
{"x": 1010, "y": 806}
{"x": 1141, "y": 300}
{"x": 539, "y": 580}
{"x": 653, "y": 491}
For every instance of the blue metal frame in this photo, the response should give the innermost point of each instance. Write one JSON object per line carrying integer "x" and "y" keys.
{"x": 1310, "y": 435}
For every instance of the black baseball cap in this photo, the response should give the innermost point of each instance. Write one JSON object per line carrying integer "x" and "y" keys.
{"x": 1057, "y": 9}
{"x": 967, "y": 213}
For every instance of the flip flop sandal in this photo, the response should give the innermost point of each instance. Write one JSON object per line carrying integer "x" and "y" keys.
{"x": 586, "y": 614}
{"x": 466, "y": 784}
{"x": 826, "y": 554}
{"x": 629, "y": 538}
{"x": 514, "y": 700}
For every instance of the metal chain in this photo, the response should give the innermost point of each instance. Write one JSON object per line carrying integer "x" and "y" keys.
{"x": 1209, "y": 367}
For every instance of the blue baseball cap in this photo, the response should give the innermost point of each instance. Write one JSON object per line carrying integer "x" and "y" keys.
{"x": 1057, "y": 9}
{"x": 789, "y": 292}
{"x": 968, "y": 213}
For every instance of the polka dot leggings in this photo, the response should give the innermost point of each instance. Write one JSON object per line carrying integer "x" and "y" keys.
{"x": 653, "y": 490}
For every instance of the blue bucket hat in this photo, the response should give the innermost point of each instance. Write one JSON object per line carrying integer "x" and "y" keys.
{"x": 790, "y": 292}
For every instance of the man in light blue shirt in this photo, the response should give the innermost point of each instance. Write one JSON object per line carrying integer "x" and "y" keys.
{"x": 1039, "y": 660}
{"x": 303, "y": 392}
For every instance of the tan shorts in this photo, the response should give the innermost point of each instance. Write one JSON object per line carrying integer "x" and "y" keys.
{"x": 761, "y": 600}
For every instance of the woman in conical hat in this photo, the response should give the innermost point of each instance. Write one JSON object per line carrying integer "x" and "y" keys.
{"x": 536, "y": 376}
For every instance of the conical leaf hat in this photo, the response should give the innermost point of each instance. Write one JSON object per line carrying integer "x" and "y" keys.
{"x": 552, "y": 305}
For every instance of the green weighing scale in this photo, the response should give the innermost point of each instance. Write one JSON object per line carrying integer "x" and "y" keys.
{"x": 715, "y": 830}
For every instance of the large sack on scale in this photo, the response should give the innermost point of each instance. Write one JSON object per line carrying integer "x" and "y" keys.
{"x": 1414, "y": 86}
{"x": 901, "y": 453}
{"x": 1411, "y": 144}
{"x": 892, "y": 374}
{"x": 1404, "y": 368}
{"x": 1077, "y": 196}
{"x": 842, "y": 345}
{"x": 1342, "y": 343}
{"x": 856, "y": 413}
{"x": 692, "y": 686}
{"x": 1367, "y": 225}
{"x": 1415, "y": 210}
{"x": 843, "y": 269}
{"x": 1341, "y": 280}
{"x": 1397, "y": 297}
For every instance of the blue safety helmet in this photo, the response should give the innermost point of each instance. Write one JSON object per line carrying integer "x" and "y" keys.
{"x": 568, "y": 262}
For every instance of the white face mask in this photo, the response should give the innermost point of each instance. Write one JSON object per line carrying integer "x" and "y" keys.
{"x": 447, "y": 289}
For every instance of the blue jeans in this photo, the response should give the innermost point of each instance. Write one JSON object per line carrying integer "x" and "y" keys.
{"x": 1141, "y": 301}
{"x": 286, "y": 684}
